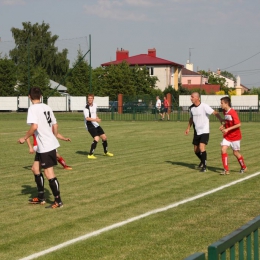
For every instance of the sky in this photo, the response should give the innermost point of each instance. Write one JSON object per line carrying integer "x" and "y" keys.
{"x": 212, "y": 34}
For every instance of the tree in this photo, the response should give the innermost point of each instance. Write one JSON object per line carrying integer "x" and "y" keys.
{"x": 78, "y": 81}
{"x": 35, "y": 47}
{"x": 123, "y": 79}
{"x": 7, "y": 77}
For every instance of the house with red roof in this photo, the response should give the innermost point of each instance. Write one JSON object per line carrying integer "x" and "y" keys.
{"x": 195, "y": 81}
{"x": 167, "y": 72}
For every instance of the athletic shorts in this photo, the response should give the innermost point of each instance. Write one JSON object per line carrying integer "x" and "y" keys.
{"x": 197, "y": 139}
{"x": 46, "y": 160}
{"x": 96, "y": 131}
{"x": 235, "y": 145}
{"x": 165, "y": 110}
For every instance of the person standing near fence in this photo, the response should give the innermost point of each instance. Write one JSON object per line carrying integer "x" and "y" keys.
{"x": 165, "y": 109}
{"x": 158, "y": 106}
{"x": 199, "y": 118}
{"x": 43, "y": 124}
{"x": 92, "y": 125}
{"x": 231, "y": 136}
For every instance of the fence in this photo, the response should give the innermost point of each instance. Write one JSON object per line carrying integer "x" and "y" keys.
{"x": 234, "y": 244}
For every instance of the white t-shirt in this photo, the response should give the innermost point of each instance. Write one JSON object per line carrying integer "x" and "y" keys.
{"x": 43, "y": 116}
{"x": 158, "y": 104}
{"x": 92, "y": 113}
{"x": 200, "y": 116}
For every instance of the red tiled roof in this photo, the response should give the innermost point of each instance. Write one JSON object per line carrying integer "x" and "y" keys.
{"x": 207, "y": 87}
{"x": 142, "y": 60}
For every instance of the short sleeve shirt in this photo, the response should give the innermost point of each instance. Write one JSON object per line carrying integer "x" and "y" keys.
{"x": 43, "y": 116}
{"x": 90, "y": 111}
{"x": 231, "y": 119}
{"x": 158, "y": 103}
{"x": 200, "y": 116}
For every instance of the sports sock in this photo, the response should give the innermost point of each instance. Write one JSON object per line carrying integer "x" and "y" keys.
{"x": 204, "y": 158}
{"x": 241, "y": 162}
{"x": 93, "y": 147}
{"x": 225, "y": 161}
{"x": 104, "y": 143}
{"x": 55, "y": 188}
{"x": 62, "y": 162}
{"x": 39, "y": 179}
{"x": 198, "y": 155}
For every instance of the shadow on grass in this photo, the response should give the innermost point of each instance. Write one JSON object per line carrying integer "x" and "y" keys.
{"x": 32, "y": 191}
{"x": 86, "y": 153}
{"x": 194, "y": 166}
{"x": 29, "y": 167}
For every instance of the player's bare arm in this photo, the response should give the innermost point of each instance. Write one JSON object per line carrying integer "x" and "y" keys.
{"x": 30, "y": 132}
{"x": 189, "y": 126}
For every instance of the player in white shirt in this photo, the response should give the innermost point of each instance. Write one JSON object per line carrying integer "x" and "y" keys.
{"x": 158, "y": 106}
{"x": 92, "y": 125}
{"x": 43, "y": 124}
{"x": 199, "y": 118}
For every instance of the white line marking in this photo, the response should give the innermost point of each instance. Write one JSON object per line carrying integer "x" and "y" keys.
{"x": 120, "y": 224}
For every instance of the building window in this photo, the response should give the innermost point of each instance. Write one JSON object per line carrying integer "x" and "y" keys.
{"x": 189, "y": 81}
{"x": 151, "y": 70}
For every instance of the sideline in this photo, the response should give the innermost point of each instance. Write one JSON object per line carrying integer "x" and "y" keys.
{"x": 122, "y": 223}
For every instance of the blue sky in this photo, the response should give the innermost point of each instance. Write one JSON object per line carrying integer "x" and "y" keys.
{"x": 213, "y": 33}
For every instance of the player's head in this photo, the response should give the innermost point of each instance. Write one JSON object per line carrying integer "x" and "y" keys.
{"x": 90, "y": 98}
{"x": 35, "y": 93}
{"x": 195, "y": 98}
{"x": 225, "y": 101}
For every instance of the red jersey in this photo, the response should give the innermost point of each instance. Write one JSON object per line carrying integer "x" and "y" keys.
{"x": 165, "y": 103}
{"x": 231, "y": 119}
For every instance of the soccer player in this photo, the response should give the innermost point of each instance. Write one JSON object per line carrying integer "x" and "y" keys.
{"x": 43, "y": 124}
{"x": 60, "y": 159}
{"x": 158, "y": 106}
{"x": 165, "y": 109}
{"x": 231, "y": 136}
{"x": 92, "y": 125}
{"x": 199, "y": 118}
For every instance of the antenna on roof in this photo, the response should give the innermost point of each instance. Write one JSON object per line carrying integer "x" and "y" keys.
{"x": 190, "y": 54}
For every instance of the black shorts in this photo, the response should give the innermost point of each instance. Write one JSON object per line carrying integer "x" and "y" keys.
{"x": 96, "y": 131}
{"x": 197, "y": 139}
{"x": 46, "y": 160}
{"x": 165, "y": 110}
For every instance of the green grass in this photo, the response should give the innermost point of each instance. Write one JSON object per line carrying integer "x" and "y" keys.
{"x": 153, "y": 167}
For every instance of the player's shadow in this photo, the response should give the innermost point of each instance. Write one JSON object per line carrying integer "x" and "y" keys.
{"x": 86, "y": 153}
{"x": 82, "y": 152}
{"x": 32, "y": 192}
{"x": 194, "y": 166}
{"x": 187, "y": 165}
{"x": 29, "y": 167}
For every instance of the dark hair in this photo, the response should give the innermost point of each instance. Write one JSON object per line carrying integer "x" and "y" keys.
{"x": 35, "y": 93}
{"x": 226, "y": 100}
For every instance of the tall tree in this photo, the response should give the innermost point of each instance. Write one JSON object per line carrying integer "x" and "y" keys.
{"x": 7, "y": 77}
{"x": 78, "y": 80}
{"x": 35, "y": 47}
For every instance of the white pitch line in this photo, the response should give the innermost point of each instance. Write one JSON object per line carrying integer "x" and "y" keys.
{"x": 120, "y": 224}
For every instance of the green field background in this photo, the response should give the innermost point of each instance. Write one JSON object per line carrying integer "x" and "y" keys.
{"x": 153, "y": 166}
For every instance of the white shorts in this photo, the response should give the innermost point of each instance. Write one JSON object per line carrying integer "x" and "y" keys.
{"x": 235, "y": 145}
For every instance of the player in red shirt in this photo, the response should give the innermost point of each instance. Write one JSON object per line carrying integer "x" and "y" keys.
{"x": 60, "y": 160}
{"x": 231, "y": 136}
{"x": 165, "y": 109}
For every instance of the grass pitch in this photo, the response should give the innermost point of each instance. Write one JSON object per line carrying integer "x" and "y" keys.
{"x": 153, "y": 166}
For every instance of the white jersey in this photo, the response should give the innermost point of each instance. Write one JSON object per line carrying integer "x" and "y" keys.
{"x": 43, "y": 116}
{"x": 90, "y": 111}
{"x": 158, "y": 104}
{"x": 200, "y": 116}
